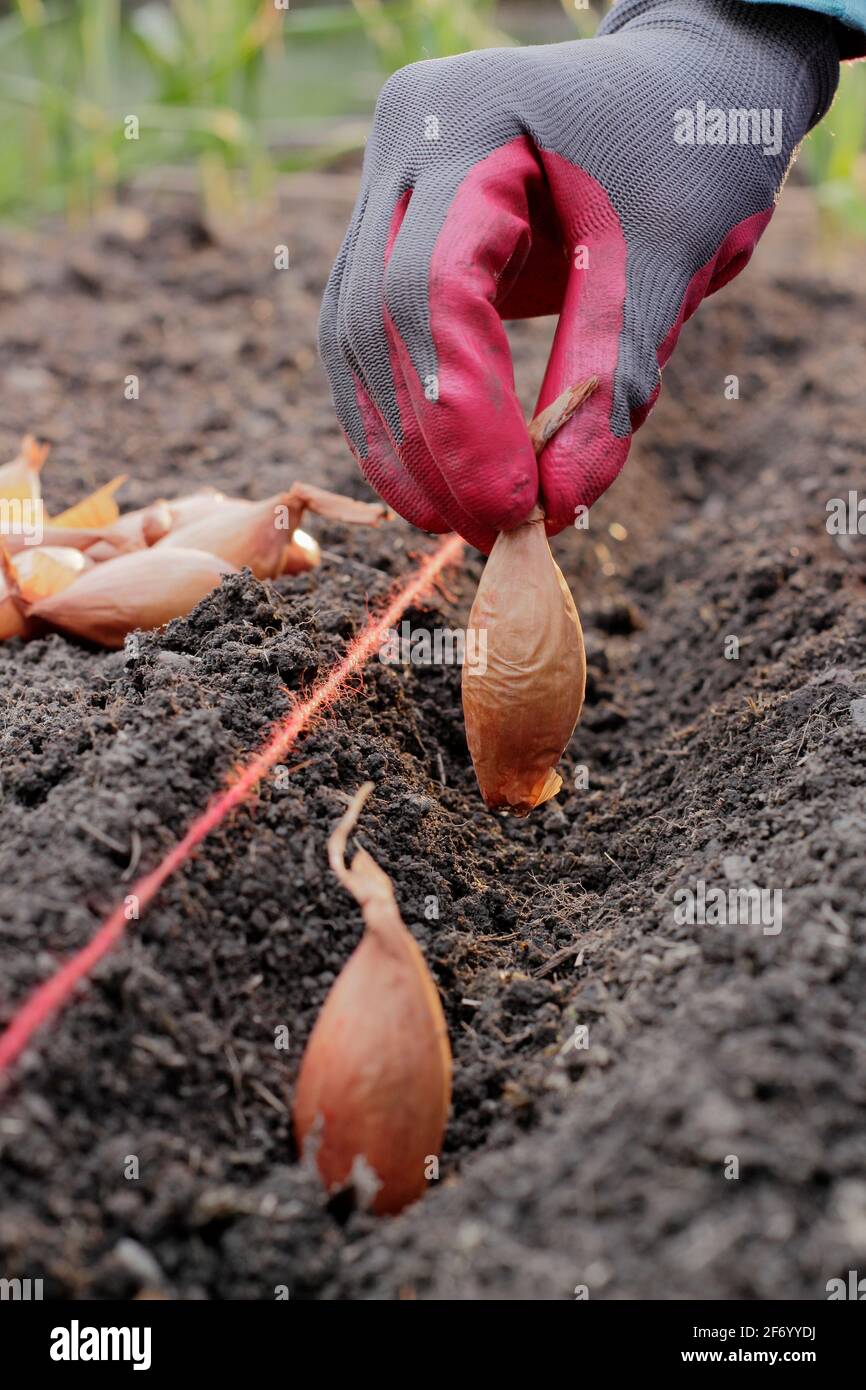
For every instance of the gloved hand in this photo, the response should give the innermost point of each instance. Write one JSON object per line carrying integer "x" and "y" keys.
{"x": 586, "y": 179}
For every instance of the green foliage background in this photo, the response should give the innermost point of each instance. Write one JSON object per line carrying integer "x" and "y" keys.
{"x": 243, "y": 90}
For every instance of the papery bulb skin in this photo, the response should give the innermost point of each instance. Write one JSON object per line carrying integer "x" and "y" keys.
{"x": 19, "y": 479}
{"x": 99, "y": 509}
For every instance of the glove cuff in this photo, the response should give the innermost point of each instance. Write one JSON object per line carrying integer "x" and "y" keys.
{"x": 806, "y": 41}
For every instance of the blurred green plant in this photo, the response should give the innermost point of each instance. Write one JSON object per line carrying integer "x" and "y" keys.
{"x": 94, "y": 91}
{"x": 585, "y": 16}
{"x": 835, "y": 156}
{"x": 91, "y": 91}
{"x": 429, "y": 28}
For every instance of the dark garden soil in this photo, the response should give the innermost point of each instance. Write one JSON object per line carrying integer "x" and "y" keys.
{"x": 603, "y": 1165}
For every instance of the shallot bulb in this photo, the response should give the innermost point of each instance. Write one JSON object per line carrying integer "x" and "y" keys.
{"x": 193, "y": 506}
{"x": 143, "y": 590}
{"x": 522, "y": 701}
{"x": 372, "y": 1096}
{"x": 522, "y": 698}
{"x": 263, "y": 535}
{"x": 242, "y": 533}
{"x": 36, "y": 573}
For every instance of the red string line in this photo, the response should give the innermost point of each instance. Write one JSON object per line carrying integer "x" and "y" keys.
{"x": 55, "y": 992}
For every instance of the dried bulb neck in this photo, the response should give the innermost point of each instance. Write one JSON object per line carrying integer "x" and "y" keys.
{"x": 534, "y": 517}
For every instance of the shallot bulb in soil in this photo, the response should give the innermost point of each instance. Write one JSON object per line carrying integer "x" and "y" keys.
{"x": 372, "y": 1096}
{"x": 143, "y": 590}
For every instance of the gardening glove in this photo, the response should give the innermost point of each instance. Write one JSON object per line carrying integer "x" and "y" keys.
{"x": 615, "y": 181}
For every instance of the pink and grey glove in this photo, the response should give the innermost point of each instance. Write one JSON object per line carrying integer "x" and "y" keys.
{"x": 615, "y": 181}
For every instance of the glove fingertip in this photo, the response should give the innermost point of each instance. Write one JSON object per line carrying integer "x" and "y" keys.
{"x": 578, "y": 465}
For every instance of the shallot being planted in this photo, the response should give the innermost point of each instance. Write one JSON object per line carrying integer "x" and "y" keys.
{"x": 522, "y": 702}
{"x": 372, "y": 1096}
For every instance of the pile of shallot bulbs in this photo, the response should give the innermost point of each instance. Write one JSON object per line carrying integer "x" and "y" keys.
{"x": 101, "y": 573}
